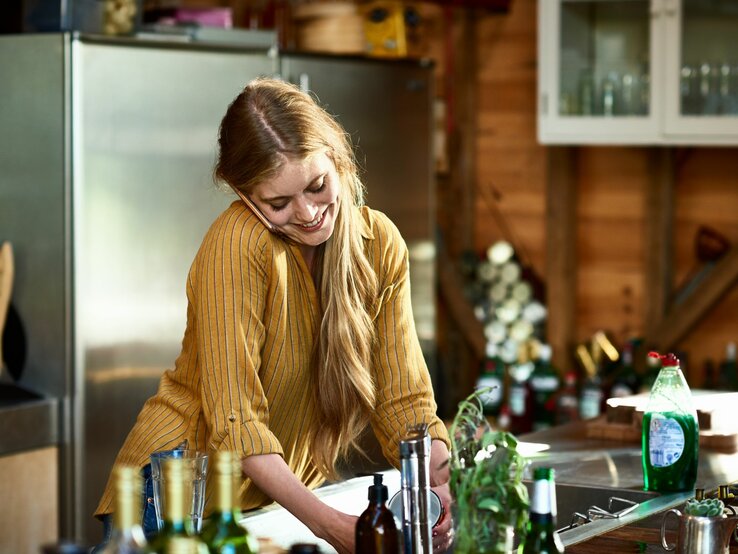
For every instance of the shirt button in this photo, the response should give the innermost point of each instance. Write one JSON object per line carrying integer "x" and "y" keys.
{"x": 232, "y": 417}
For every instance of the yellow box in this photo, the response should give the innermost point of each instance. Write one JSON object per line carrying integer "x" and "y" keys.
{"x": 384, "y": 28}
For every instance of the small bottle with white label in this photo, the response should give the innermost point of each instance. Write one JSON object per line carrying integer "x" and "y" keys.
{"x": 670, "y": 439}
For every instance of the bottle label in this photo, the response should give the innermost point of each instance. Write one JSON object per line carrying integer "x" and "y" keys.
{"x": 544, "y": 384}
{"x": 544, "y": 497}
{"x": 492, "y": 397}
{"x": 665, "y": 440}
{"x": 590, "y": 405}
{"x": 517, "y": 400}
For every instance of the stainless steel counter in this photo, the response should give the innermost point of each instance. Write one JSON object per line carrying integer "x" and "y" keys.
{"x": 587, "y": 472}
{"x": 27, "y": 420}
{"x": 582, "y": 461}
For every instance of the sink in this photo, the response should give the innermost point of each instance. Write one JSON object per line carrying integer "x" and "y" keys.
{"x": 608, "y": 508}
{"x": 284, "y": 529}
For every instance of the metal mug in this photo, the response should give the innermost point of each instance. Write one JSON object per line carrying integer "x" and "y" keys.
{"x": 700, "y": 534}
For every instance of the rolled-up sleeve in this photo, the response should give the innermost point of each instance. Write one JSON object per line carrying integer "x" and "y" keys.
{"x": 403, "y": 384}
{"x": 229, "y": 292}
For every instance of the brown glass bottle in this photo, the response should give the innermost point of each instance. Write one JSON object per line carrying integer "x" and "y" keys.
{"x": 376, "y": 530}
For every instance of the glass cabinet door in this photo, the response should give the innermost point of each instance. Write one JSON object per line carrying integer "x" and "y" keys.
{"x": 599, "y": 72}
{"x": 702, "y": 84}
{"x": 604, "y": 64}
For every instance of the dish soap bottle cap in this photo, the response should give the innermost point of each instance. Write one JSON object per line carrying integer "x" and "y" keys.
{"x": 378, "y": 492}
{"x": 667, "y": 360}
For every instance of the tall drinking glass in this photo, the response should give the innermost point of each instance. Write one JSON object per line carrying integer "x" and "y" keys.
{"x": 196, "y": 465}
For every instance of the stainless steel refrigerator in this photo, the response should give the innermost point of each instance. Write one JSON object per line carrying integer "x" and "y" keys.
{"x": 106, "y": 149}
{"x": 106, "y": 153}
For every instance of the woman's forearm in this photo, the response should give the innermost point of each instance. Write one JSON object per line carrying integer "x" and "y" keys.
{"x": 273, "y": 476}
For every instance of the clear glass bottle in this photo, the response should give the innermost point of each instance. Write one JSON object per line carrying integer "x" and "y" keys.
{"x": 128, "y": 536}
{"x": 174, "y": 515}
{"x": 541, "y": 536}
{"x": 670, "y": 437}
{"x": 221, "y": 533}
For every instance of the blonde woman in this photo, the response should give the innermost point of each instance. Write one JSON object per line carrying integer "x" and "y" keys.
{"x": 299, "y": 326}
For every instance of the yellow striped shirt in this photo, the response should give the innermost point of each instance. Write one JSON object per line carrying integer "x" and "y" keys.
{"x": 241, "y": 381}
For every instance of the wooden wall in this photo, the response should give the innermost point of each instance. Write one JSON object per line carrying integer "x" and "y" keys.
{"x": 611, "y": 207}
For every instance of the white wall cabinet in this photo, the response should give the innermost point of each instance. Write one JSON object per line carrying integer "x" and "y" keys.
{"x": 638, "y": 72}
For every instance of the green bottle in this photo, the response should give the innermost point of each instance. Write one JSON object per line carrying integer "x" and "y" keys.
{"x": 670, "y": 437}
{"x": 174, "y": 473}
{"x": 541, "y": 537}
{"x": 544, "y": 383}
{"x": 221, "y": 533}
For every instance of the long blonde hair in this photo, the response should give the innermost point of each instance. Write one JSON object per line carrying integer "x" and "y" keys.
{"x": 269, "y": 121}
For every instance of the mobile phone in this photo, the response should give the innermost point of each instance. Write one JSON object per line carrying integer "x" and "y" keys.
{"x": 257, "y": 212}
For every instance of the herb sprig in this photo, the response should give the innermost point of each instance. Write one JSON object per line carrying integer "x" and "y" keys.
{"x": 486, "y": 473}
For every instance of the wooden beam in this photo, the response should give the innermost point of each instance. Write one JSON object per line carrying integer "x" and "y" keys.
{"x": 451, "y": 286}
{"x": 461, "y": 126}
{"x": 561, "y": 241}
{"x": 498, "y": 6}
{"x": 682, "y": 317}
{"x": 659, "y": 217}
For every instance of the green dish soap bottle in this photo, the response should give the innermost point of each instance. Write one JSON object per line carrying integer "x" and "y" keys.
{"x": 670, "y": 438}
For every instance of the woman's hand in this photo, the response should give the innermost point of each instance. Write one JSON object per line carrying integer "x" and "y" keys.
{"x": 339, "y": 531}
{"x": 443, "y": 532}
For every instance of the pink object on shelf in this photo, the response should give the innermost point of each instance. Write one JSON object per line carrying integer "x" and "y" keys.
{"x": 207, "y": 17}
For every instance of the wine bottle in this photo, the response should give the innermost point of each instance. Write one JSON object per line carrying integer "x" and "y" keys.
{"x": 541, "y": 536}
{"x": 544, "y": 382}
{"x": 222, "y": 534}
{"x": 174, "y": 509}
{"x": 128, "y": 536}
{"x": 184, "y": 545}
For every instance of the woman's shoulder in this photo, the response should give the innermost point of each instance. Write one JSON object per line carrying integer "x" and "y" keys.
{"x": 236, "y": 230}
{"x": 378, "y": 226}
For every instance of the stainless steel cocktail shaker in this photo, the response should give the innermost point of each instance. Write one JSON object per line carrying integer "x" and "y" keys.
{"x": 415, "y": 482}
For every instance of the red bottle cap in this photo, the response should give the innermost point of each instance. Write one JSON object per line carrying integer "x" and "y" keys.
{"x": 667, "y": 360}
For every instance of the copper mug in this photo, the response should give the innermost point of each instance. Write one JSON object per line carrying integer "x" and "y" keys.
{"x": 700, "y": 534}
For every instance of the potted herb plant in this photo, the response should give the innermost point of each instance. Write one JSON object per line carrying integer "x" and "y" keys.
{"x": 486, "y": 472}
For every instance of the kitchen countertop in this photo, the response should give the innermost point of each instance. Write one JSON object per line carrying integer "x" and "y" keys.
{"x": 27, "y": 420}
{"x": 576, "y": 459}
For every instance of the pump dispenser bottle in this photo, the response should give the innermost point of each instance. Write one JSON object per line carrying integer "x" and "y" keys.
{"x": 376, "y": 530}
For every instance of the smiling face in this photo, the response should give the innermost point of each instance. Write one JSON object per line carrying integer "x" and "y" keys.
{"x": 301, "y": 200}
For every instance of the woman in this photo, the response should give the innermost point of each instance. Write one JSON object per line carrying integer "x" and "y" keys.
{"x": 299, "y": 325}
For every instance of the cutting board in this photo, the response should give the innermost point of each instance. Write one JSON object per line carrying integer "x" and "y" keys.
{"x": 6, "y": 289}
{"x": 715, "y": 414}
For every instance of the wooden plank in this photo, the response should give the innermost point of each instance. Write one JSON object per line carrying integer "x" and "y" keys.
{"x": 561, "y": 217}
{"x": 659, "y": 216}
{"x": 682, "y": 317}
